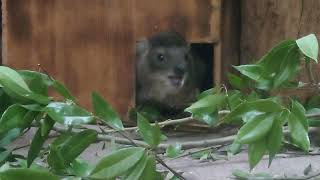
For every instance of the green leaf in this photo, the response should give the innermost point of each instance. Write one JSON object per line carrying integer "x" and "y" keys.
{"x": 211, "y": 91}
{"x": 234, "y": 99}
{"x": 68, "y": 114}
{"x": 173, "y": 150}
{"x": 256, "y": 152}
{"x": 299, "y": 111}
{"x": 206, "y": 108}
{"x": 4, "y": 155}
{"x": 62, "y": 90}
{"x": 150, "y": 112}
{"x": 274, "y": 139}
{"x": 38, "y": 98}
{"x": 28, "y": 119}
{"x": 12, "y": 118}
{"x": 236, "y": 81}
{"x": 75, "y": 145}
{"x": 298, "y": 132}
{"x": 313, "y": 102}
{"x": 105, "y": 112}
{"x": 5, "y": 101}
{"x": 272, "y": 60}
{"x": 9, "y": 75}
{"x": 33, "y": 107}
{"x": 80, "y": 168}
{"x": 37, "y": 82}
{"x": 67, "y": 147}
{"x": 211, "y": 119}
{"x": 208, "y": 104}
{"x": 309, "y": 46}
{"x": 149, "y": 171}
{"x": 18, "y": 174}
{"x": 117, "y": 163}
{"x": 55, "y": 158}
{"x": 252, "y": 71}
{"x": 255, "y": 129}
{"x": 234, "y": 148}
{"x": 16, "y": 87}
{"x": 8, "y": 137}
{"x": 241, "y": 175}
{"x": 136, "y": 172}
{"x": 288, "y": 68}
{"x": 261, "y": 105}
{"x": 150, "y": 134}
{"x": 38, "y": 140}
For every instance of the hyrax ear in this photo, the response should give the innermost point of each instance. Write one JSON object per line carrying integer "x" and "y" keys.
{"x": 141, "y": 46}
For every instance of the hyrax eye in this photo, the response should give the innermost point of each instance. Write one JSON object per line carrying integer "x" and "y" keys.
{"x": 161, "y": 57}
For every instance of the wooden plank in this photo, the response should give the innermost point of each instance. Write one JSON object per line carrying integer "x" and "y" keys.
{"x": 267, "y": 22}
{"x": 230, "y": 37}
{"x": 88, "y": 44}
{"x": 198, "y": 21}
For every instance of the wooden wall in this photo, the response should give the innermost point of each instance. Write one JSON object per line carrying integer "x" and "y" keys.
{"x": 267, "y": 22}
{"x": 89, "y": 45}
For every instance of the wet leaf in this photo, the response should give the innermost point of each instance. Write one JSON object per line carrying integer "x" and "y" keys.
{"x": 117, "y": 163}
{"x": 173, "y": 150}
{"x": 309, "y": 46}
{"x": 18, "y": 174}
{"x": 68, "y": 114}
{"x": 255, "y": 129}
{"x": 105, "y": 112}
{"x": 256, "y": 152}
{"x": 12, "y": 118}
{"x": 38, "y": 140}
{"x": 150, "y": 134}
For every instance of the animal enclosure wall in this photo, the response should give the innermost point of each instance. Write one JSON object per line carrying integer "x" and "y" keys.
{"x": 89, "y": 45}
{"x": 267, "y": 22}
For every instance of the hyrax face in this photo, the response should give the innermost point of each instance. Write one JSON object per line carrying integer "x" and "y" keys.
{"x": 163, "y": 69}
{"x": 168, "y": 65}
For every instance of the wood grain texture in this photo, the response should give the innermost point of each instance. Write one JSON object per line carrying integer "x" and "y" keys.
{"x": 197, "y": 20}
{"x": 267, "y": 22}
{"x": 89, "y": 45}
{"x": 230, "y": 37}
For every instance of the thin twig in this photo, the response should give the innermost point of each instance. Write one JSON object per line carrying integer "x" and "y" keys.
{"x": 168, "y": 122}
{"x": 196, "y": 151}
{"x": 309, "y": 70}
{"x": 164, "y": 146}
{"x": 284, "y": 177}
{"x": 20, "y": 147}
{"x": 159, "y": 160}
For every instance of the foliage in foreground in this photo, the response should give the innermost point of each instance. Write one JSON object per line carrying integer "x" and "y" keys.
{"x": 25, "y": 103}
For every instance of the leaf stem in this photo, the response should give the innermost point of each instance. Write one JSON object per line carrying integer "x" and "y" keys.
{"x": 309, "y": 70}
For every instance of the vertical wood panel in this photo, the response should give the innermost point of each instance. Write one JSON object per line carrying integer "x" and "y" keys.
{"x": 88, "y": 44}
{"x": 230, "y": 36}
{"x": 267, "y": 22}
{"x": 197, "y": 20}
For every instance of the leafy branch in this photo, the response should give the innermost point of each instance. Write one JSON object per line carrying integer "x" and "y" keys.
{"x": 265, "y": 120}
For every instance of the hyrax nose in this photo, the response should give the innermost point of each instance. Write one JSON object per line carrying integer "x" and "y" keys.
{"x": 180, "y": 69}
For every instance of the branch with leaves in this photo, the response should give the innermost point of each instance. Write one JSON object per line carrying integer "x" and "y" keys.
{"x": 25, "y": 101}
